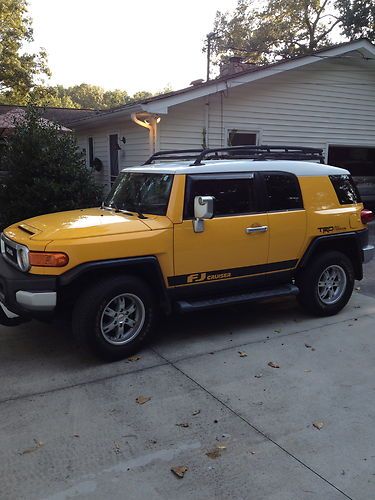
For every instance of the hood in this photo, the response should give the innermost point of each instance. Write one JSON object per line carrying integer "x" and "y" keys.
{"x": 84, "y": 223}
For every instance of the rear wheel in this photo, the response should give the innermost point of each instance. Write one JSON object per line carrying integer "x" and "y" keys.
{"x": 115, "y": 317}
{"x": 326, "y": 285}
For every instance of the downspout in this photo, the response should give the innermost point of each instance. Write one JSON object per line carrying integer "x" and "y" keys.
{"x": 151, "y": 123}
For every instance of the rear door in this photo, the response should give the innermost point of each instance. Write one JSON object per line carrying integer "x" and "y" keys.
{"x": 286, "y": 219}
{"x": 234, "y": 243}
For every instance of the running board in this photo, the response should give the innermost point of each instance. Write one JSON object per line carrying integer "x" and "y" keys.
{"x": 196, "y": 305}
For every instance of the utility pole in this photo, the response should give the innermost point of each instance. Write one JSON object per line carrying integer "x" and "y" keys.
{"x": 210, "y": 37}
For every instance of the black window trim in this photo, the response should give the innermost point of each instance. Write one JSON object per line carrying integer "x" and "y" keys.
{"x": 264, "y": 190}
{"x": 190, "y": 178}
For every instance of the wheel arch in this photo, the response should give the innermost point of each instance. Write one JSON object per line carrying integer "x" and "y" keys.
{"x": 347, "y": 243}
{"x": 147, "y": 268}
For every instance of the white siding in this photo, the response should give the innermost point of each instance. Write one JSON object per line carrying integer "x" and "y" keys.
{"x": 134, "y": 152}
{"x": 330, "y": 102}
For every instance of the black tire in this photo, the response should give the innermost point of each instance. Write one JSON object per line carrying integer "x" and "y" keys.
{"x": 88, "y": 314}
{"x": 308, "y": 281}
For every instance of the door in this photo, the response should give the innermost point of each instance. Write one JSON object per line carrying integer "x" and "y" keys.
{"x": 233, "y": 244}
{"x": 113, "y": 156}
{"x": 286, "y": 220}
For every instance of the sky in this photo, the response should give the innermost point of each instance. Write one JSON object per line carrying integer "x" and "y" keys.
{"x": 128, "y": 44}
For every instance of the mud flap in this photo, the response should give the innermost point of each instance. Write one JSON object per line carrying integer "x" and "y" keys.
{"x": 8, "y": 318}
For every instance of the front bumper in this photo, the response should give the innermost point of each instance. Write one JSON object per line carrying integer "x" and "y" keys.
{"x": 24, "y": 294}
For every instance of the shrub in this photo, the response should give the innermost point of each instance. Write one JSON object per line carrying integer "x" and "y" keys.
{"x": 46, "y": 171}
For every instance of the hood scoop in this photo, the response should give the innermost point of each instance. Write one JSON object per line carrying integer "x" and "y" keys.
{"x": 27, "y": 229}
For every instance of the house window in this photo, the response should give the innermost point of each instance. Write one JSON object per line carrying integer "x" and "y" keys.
{"x": 233, "y": 194}
{"x": 91, "y": 152}
{"x": 242, "y": 138}
{"x": 283, "y": 192}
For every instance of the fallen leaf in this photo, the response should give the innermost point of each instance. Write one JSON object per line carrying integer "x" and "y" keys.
{"x": 179, "y": 471}
{"x": 242, "y": 354}
{"x": 196, "y": 412}
{"x": 116, "y": 448}
{"x": 258, "y": 375}
{"x": 38, "y": 445}
{"x": 318, "y": 424}
{"x": 277, "y": 331}
{"x": 308, "y": 346}
{"x": 141, "y": 400}
{"x": 134, "y": 358}
{"x": 307, "y": 371}
{"x": 272, "y": 364}
{"x": 221, "y": 446}
{"x": 215, "y": 453}
{"x": 183, "y": 424}
{"x": 76, "y": 435}
{"x": 357, "y": 287}
{"x": 313, "y": 349}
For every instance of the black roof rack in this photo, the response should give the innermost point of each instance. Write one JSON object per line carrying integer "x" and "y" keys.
{"x": 240, "y": 153}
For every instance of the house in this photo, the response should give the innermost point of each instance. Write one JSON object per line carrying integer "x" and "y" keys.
{"x": 325, "y": 100}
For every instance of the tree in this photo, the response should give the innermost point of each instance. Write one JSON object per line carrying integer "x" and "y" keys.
{"x": 18, "y": 70}
{"x": 358, "y": 18}
{"x": 288, "y": 28}
{"x": 46, "y": 172}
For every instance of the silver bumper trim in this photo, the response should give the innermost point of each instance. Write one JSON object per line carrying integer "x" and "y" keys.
{"x": 368, "y": 253}
{"x": 36, "y": 301}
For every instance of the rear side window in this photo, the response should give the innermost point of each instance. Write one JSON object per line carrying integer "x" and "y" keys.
{"x": 233, "y": 195}
{"x": 346, "y": 190}
{"x": 283, "y": 192}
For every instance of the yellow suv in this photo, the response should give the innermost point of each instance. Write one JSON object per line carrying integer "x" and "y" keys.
{"x": 188, "y": 230}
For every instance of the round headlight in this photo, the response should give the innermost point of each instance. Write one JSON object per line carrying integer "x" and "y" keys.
{"x": 23, "y": 258}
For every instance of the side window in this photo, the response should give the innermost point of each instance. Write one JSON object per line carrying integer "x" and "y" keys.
{"x": 233, "y": 195}
{"x": 346, "y": 190}
{"x": 283, "y": 192}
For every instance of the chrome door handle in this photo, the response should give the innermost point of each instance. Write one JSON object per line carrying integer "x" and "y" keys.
{"x": 256, "y": 229}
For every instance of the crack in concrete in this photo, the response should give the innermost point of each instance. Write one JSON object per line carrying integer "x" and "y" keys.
{"x": 238, "y": 415}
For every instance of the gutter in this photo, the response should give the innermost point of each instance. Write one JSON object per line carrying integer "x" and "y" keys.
{"x": 149, "y": 121}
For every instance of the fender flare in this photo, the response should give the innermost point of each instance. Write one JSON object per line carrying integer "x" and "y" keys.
{"x": 150, "y": 264}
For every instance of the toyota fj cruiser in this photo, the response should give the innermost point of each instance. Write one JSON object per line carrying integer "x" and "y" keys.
{"x": 189, "y": 230}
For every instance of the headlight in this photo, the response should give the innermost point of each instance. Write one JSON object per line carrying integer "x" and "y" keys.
{"x": 23, "y": 258}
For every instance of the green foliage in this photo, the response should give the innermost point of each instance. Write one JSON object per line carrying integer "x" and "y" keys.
{"x": 84, "y": 96}
{"x": 18, "y": 69}
{"x": 46, "y": 172}
{"x": 288, "y": 28}
{"x": 358, "y": 18}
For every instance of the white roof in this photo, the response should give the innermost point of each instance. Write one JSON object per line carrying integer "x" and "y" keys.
{"x": 299, "y": 168}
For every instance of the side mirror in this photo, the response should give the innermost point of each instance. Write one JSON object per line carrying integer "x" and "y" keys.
{"x": 203, "y": 209}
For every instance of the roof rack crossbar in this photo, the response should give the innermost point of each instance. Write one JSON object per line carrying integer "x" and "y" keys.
{"x": 264, "y": 152}
{"x": 174, "y": 154}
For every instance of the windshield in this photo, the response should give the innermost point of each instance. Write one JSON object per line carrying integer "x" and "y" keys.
{"x": 141, "y": 192}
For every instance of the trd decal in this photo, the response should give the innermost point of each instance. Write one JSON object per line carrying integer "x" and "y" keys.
{"x": 222, "y": 274}
{"x": 330, "y": 229}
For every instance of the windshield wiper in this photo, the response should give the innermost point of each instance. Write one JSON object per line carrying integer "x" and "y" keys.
{"x": 116, "y": 209}
{"x": 136, "y": 211}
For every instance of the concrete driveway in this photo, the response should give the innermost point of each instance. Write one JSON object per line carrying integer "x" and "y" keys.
{"x": 71, "y": 427}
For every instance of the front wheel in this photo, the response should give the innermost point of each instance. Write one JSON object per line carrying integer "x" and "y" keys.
{"x": 327, "y": 284}
{"x": 115, "y": 317}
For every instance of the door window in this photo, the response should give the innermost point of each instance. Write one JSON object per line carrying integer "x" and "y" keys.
{"x": 233, "y": 195}
{"x": 282, "y": 191}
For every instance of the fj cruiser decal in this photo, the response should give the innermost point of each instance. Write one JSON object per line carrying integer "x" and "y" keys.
{"x": 330, "y": 229}
{"x": 222, "y": 274}
{"x": 194, "y": 278}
